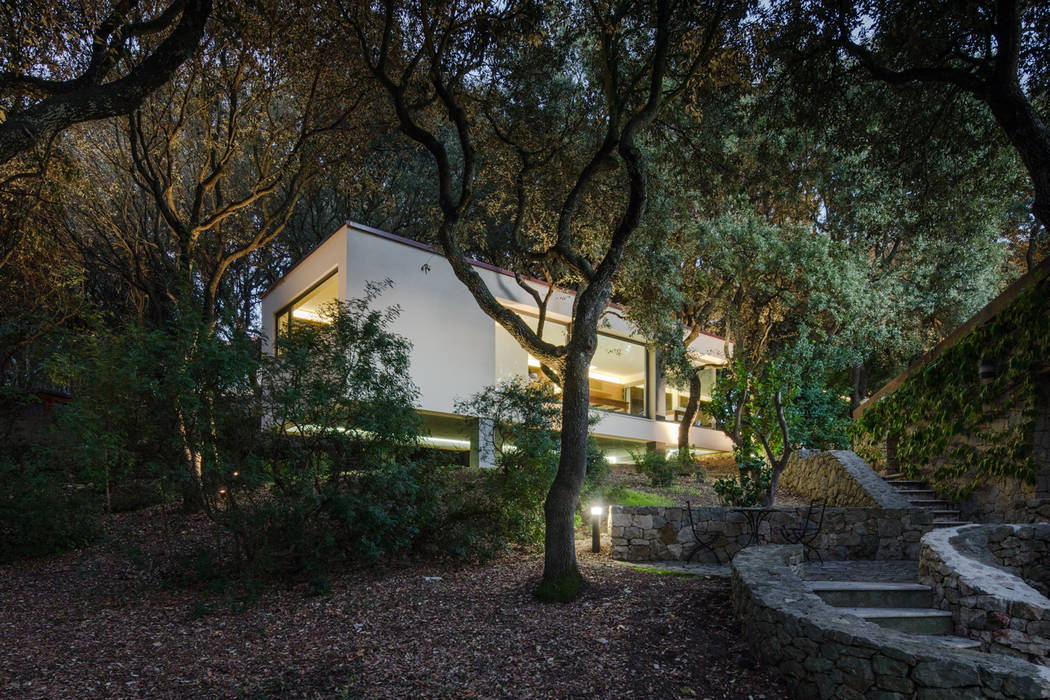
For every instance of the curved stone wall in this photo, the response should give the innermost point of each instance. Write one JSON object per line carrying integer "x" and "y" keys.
{"x": 977, "y": 572}
{"x": 824, "y": 653}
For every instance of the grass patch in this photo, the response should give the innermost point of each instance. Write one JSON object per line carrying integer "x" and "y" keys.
{"x": 666, "y": 572}
{"x": 629, "y": 497}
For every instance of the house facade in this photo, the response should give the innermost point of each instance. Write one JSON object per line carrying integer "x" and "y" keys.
{"x": 457, "y": 350}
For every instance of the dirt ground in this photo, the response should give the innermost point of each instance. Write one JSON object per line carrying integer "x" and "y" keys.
{"x": 108, "y": 622}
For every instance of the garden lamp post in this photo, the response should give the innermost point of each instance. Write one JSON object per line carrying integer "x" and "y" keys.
{"x": 596, "y": 537}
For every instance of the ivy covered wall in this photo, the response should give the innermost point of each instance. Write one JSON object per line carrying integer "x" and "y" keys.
{"x": 981, "y": 441}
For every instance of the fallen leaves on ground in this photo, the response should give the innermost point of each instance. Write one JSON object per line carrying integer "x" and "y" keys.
{"x": 102, "y": 622}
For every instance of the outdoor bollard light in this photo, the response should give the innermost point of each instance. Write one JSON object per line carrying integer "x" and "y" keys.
{"x": 596, "y": 538}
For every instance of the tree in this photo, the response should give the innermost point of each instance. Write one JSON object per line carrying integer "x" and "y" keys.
{"x": 785, "y": 289}
{"x": 593, "y": 79}
{"x": 43, "y": 92}
{"x": 994, "y": 52}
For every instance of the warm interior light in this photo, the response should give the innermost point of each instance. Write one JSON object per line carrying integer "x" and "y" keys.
{"x": 307, "y": 315}
{"x": 605, "y": 377}
{"x": 597, "y": 510}
{"x": 533, "y": 362}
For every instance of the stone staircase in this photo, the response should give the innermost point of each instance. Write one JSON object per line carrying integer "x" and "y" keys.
{"x": 922, "y": 496}
{"x": 898, "y": 605}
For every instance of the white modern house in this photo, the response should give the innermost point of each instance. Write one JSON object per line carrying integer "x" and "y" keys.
{"x": 457, "y": 350}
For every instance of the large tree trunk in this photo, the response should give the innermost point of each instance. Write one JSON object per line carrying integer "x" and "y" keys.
{"x": 1029, "y": 136}
{"x": 860, "y": 386}
{"x": 691, "y": 409}
{"x": 559, "y": 561}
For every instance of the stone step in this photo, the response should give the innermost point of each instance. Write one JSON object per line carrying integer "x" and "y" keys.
{"x": 917, "y": 493}
{"x": 871, "y": 594}
{"x": 904, "y": 485}
{"x": 908, "y": 620}
{"x": 958, "y": 642}
{"x": 950, "y": 523}
{"x": 946, "y": 514}
{"x": 931, "y": 504}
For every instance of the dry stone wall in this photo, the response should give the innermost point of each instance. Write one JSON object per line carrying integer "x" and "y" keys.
{"x": 824, "y": 653}
{"x": 657, "y": 533}
{"x": 840, "y": 478}
{"x": 977, "y": 572}
{"x": 1025, "y": 550}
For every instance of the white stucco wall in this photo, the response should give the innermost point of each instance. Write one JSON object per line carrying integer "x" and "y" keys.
{"x": 326, "y": 258}
{"x": 456, "y": 348}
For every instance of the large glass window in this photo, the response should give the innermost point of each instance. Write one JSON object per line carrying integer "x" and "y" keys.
{"x": 308, "y": 308}
{"x": 618, "y": 372}
{"x": 677, "y": 398}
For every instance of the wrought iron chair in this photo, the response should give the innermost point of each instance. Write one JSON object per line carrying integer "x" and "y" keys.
{"x": 807, "y": 530}
{"x": 704, "y": 540}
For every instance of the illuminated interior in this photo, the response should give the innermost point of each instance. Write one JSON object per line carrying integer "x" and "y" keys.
{"x": 309, "y": 308}
{"x": 677, "y": 398}
{"x": 618, "y": 375}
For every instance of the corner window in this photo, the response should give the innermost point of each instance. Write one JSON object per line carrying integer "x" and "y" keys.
{"x": 308, "y": 308}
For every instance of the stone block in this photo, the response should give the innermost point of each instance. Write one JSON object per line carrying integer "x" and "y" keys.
{"x": 895, "y": 683}
{"x": 941, "y": 674}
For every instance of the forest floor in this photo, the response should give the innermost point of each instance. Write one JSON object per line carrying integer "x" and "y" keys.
{"x": 111, "y": 621}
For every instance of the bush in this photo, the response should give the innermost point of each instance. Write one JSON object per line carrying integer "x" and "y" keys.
{"x": 751, "y": 485}
{"x": 334, "y": 477}
{"x": 655, "y": 465}
{"x": 507, "y": 505}
{"x": 41, "y": 511}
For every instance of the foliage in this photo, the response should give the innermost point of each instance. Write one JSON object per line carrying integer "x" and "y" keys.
{"x": 506, "y": 502}
{"x": 751, "y": 485}
{"x": 335, "y": 478}
{"x": 621, "y": 496}
{"x": 957, "y": 431}
{"x": 598, "y": 473}
{"x": 655, "y": 465}
{"x": 42, "y": 509}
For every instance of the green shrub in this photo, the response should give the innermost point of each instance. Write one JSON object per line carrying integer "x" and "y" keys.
{"x": 655, "y": 465}
{"x": 506, "y": 503}
{"x": 41, "y": 511}
{"x": 750, "y": 486}
{"x": 335, "y": 476}
{"x": 598, "y": 473}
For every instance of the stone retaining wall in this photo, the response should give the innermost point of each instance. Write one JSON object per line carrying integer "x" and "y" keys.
{"x": 1033, "y": 510}
{"x": 658, "y": 533}
{"x": 824, "y": 653}
{"x": 840, "y": 478}
{"x": 966, "y": 568}
{"x": 1024, "y": 550}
